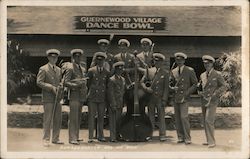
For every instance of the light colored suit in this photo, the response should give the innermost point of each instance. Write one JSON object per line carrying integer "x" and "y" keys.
{"x": 116, "y": 90}
{"x": 213, "y": 86}
{"x": 48, "y": 79}
{"x": 186, "y": 83}
{"x": 77, "y": 95}
{"x": 146, "y": 57}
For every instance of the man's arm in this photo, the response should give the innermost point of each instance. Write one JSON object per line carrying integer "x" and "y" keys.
{"x": 194, "y": 82}
{"x": 42, "y": 84}
{"x": 221, "y": 85}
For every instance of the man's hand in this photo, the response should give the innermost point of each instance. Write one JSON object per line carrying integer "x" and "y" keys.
{"x": 54, "y": 89}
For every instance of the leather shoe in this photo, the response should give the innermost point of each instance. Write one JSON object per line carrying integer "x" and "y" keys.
{"x": 205, "y": 143}
{"x": 46, "y": 143}
{"x": 58, "y": 142}
{"x": 180, "y": 141}
{"x": 90, "y": 141}
{"x": 211, "y": 145}
{"x": 102, "y": 139}
{"x": 188, "y": 142}
{"x": 113, "y": 140}
{"x": 74, "y": 142}
{"x": 79, "y": 140}
{"x": 163, "y": 138}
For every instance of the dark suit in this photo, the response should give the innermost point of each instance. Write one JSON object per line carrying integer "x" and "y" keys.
{"x": 77, "y": 95}
{"x": 116, "y": 90}
{"x": 186, "y": 83}
{"x": 47, "y": 79}
{"x": 160, "y": 93}
{"x": 213, "y": 86}
{"x": 97, "y": 85}
{"x": 109, "y": 61}
{"x": 129, "y": 76}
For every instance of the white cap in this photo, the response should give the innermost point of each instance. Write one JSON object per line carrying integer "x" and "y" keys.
{"x": 158, "y": 56}
{"x": 124, "y": 41}
{"x": 180, "y": 54}
{"x": 53, "y": 51}
{"x": 208, "y": 58}
{"x": 119, "y": 63}
{"x": 146, "y": 40}
{"x": 99, "y": 55}
{"x": 103, "y": 41}
{"x": 72, "y": 52}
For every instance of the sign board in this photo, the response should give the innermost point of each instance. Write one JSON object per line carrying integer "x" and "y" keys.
{"x": 119, "y": 23}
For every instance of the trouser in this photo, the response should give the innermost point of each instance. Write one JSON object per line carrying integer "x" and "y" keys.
{"x": 99, "y": 108}
{"x": 74, "y": 119}
{"x": 182, "y": 121}
{"x": 47, "y": 121}
{"x": 156, "y": 103}
{"x": 114, "y": 115}
{"x": 209, "y": 118}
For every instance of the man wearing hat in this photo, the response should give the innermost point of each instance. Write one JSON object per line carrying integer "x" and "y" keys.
{"x": 129, "y": 67}
{"x": 213, "y": 85}
{"x": 185, "y": 84}
{"x": 97, "y": 84}
{"x": 49, "y": 78}
{"x": 160, "y": 90}
{"x": 77, "y": 95}
{"x": 146, "y": 55}
{"x": 104, "y": 46}
{"x": 116, "y": 89}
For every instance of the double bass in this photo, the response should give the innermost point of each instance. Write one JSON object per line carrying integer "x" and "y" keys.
{"x": 135, "y": 127}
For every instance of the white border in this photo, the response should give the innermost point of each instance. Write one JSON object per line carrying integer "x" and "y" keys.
{"x": 244, "y": 153}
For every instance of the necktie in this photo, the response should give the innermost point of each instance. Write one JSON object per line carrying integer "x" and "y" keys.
{"x": 179, "y": 71}
{"x": 207, "y": 73}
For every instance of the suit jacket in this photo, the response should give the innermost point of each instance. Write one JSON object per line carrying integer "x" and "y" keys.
{"x": 159, "y": 82}
{"x": 109, "y": 61}
{"x": 47, "y": 79}
{"x": 116, "y": 90}
{"x": 213, "y": 86}
{"x": 186, "y": 83}
{"x": 97, "y": 84}
{"x": 147, "y": 59}
{"x": 77, "y": 91}
{"x": 129, "y": 65}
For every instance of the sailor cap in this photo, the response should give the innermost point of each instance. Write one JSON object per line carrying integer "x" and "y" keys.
{"x": 100, "y": 55}
{"x": 105, "y": 41}
{"x": 179, "y": 55}
{"x": 74, "y": 51}
{"x": 146, "y": 40}
{"x": 119, "y": 63}
{"x": 158, "y": 56}
{"x": 124, "y": 41}
{"x": 53, "y": 52}
{"x": 208, "y": 58}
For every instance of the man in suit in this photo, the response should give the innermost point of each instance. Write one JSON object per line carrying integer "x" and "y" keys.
{"x": 128, "y": 73}
{"x": 213, "y": 84}
{"x": 116, "y": 90}
{"x": 77, "y": 95}
{"x": 49, "y": 78}
{"x": 145, "y": 65}
{"x": 97, "y": 84}
{"x": 185, "y": 84}
{"x": 146, "y": 56}
{"x": 160, "y": 90}
{"x": 104, "y": 45}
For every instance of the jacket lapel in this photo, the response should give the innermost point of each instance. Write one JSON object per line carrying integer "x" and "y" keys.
{"x": 210, "y": 77}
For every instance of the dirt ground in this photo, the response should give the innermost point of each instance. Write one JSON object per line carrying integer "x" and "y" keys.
{"x": 21, "y": 140}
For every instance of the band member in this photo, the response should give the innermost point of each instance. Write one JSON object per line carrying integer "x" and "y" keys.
{"x": 77, "y": 95}
{"x": 159, "y": 89}
{"x": 128, "y": 73}
{"x": 146, "y": 56}
{"x": 213, "y": 85}
{"x": 49, "y": 78}
{"x": 104, "y": 45}
{"x": 116, "y": 89}
{"x": 185, "y": 84}
{"x": 98, "y": 79}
